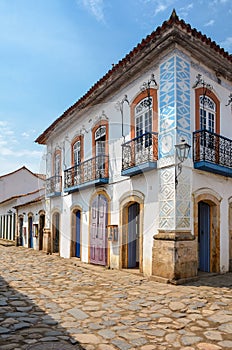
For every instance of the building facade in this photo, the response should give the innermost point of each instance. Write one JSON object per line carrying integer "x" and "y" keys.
{"x": 30, "y": 218}
{"x": 116, "y": 192}
{"x": 20, "y": 189}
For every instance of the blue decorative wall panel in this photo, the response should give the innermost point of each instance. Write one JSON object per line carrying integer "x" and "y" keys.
{"x": 174, "y": 125}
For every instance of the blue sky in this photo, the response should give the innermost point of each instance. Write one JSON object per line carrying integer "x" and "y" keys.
{"x": 53, "y": 51}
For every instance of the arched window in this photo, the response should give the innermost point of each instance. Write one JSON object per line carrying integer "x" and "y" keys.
{"x": 100, "y": 137}
{"x": 207, "y": 113}
{"x": 77, "y": 150}
{"x": 207, "y": 109}
{"x": 143, "y": 117}
{"x": 144, "y": 114}
{"x": 100, "y": 140}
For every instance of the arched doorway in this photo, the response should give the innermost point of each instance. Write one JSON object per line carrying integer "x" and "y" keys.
{"x": 30, "y": 232}
{"x": 76, "y": 233}
{"x": 230, "y": 236}
{"x": 56, "y": 233}
{"x": 207, "y": 229}
{"x": 131, "y": 238}
{"x": 204, "y": 236}
{"x": 41, "y": 227}
{"x": 20, "y": 241}
{"x": 98, "y": 230}
{"x": 131, "y": 233}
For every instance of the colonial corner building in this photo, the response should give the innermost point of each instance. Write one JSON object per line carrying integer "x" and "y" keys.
{"x": 139, "y": 169}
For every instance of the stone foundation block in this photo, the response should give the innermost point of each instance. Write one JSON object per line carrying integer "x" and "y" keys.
{"x": 174, "y": 256}
{"x": 47, "y": 240}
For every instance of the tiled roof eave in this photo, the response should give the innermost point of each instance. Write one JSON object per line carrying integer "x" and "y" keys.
{"x": 175, "y": 28}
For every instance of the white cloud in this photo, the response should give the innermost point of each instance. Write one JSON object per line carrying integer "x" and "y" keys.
{"x": 218, "y": 2}
{"x": 160, "y": 8}
{"x": 13, "y": 151}
{"x": 227, "y": 43}
{"x": 185, "y": 10}
{"x": 4, "y": 151}
{"x": 210, "y": 23}
{"x": 95, "y": 7}
{"x": 25, "y": 134}
{"x": 9, "y": 132}
{"x": 28, "y": 133}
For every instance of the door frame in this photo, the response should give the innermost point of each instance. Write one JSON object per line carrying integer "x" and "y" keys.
{"x": 129, "y": 245}
{"x": 30, "y": 232}
{"x": 213, "y": 200}
{"x": 74, "y": 210}
{"x": 20, "y": 228}
{"x": 41, "y": 214}
{"x": 54, "y": 231}
{"x": 127, "y": 200}
{"x": 204, "y": 238}
{"x": 230, "y": 233}
{"x": 94, "y": 195}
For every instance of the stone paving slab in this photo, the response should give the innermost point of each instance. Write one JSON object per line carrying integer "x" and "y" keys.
{"x": 47, "y": 302}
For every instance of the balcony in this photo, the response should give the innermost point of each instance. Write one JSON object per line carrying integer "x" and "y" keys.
{"x": 140, "y": 154}
{"x": 94, "y": 171}
{"x": 212, "y": 152}
{"x": 53, "y": 186}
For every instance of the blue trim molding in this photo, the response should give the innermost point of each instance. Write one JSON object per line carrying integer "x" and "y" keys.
{"x": 213, "y": 168}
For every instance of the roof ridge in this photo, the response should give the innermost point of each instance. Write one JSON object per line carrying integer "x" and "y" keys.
{"x": 173, "y": 20}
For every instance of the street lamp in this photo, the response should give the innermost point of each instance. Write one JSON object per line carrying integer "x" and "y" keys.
{"x": 182, "y": 153}
{"x": 147, "y": 87}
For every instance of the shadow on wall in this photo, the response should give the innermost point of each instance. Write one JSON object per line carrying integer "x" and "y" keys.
{"x": 24, "y": 325}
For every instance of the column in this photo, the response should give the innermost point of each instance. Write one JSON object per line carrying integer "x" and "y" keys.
{"x": 174, "y": 248}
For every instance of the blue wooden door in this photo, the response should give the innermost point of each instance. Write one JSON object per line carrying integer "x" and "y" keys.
{"x": 20, "y": 231}
{"x": 133, "y": 235}
{"x": 30, "y": 228}
{"x": 204, "y": 236}
{"x": 78, "y": 229}
{"x": 98, "y": 236}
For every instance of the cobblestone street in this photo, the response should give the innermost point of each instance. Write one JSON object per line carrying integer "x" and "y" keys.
{"x": 47, "y": 302}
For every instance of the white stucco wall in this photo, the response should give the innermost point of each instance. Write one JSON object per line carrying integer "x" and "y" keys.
{"x": 148, "y": 183}
{"x": 26, "y": 211}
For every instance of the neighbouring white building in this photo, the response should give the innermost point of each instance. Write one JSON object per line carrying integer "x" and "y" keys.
{"x": 22, "y": 207}
{"x": 117, "y": 194}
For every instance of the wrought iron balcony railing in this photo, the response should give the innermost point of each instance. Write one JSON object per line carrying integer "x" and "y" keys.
{"x": 210, "y": 148}
{"x": 94, "y": 170}
{"x": 140, "y": 150}
{"x": 53, "y": 185}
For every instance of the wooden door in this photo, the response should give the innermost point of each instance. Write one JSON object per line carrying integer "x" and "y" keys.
{"x": 133, "y": 235}
{"x": 41, "y": 227}
{"x": 30, "y": 232}
{"x": 78, "y": 231}
{"x": 204, "y": 236}
{"x": 20, "y": 232}
{"x": 56, "y": 233}
{"x": 98, "y": 231}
